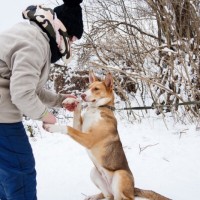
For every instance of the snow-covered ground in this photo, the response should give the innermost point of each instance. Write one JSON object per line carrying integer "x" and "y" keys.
{"x": 163, "y": 159}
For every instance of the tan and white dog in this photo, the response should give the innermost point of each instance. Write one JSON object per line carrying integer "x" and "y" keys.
{"x": 97, "y": 131}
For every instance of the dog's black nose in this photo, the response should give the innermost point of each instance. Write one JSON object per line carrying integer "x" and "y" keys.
{"x": 83, "y": 96}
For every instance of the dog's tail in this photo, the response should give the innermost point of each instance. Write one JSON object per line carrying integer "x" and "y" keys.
{"x": 151, "y": 195}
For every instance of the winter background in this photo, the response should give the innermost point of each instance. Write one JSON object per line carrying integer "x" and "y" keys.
{"x": 163, "y": 155}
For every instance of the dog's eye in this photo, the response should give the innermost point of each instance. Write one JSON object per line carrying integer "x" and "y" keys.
{"x": 96, "y": 88}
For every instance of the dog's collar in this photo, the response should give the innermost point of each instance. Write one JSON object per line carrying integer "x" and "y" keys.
{"x": 109, "y": 107}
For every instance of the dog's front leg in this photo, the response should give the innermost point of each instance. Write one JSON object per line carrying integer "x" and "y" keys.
{"x": 85, "y": 139}
{"x": 77, "y": 120}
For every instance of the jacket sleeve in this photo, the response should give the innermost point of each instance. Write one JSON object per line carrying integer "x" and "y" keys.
{"x": 27, "y": 61}
{"x": 51, "y": 99}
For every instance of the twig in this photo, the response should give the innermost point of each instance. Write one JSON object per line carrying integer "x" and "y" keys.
{"x": 84, "y": 195}
{"x": 165, "y": 159}
{"x": 143, "y": 148}
{"x": 126, "y": 147}
{"x": 181, "y": 132}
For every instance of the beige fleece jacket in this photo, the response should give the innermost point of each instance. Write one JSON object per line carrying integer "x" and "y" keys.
{"x": 24, "y": 69}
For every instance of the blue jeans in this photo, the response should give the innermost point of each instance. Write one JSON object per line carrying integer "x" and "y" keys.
{"x": 17, "y": 164}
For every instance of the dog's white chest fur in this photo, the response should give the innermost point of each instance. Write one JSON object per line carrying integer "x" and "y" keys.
{"x": 90, "y": 117}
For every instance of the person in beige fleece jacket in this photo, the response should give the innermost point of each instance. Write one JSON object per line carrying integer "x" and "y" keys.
{"x": 26, "y": 53}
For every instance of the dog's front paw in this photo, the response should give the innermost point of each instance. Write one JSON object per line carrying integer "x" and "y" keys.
{"x": 78, "y": 106}
{"x": 52, "y": 128}
{"x": 69, "y": 100}
{"x": 70, "y": 103}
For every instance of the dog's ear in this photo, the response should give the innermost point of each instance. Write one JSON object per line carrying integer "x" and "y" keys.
{"x": 109, "y": 81}
{"x": 92, "y": 77}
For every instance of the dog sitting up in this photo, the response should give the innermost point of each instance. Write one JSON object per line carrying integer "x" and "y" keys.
{"x": 96, "y": 130}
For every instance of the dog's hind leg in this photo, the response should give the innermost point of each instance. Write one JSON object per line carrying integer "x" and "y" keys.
{"x": 95, "y": 197}
{"x": 99, "y": 181}
{"x": 123, "y": 185}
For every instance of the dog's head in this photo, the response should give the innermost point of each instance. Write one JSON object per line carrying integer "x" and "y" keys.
{"x": 99, "y": 92}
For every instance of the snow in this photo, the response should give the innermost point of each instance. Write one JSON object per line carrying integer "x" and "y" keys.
{"x": 162, "y": 158}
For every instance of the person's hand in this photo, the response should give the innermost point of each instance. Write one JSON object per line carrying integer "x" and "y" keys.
{"x": 70, "y": 103}
{"x": 49, "y": 118}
